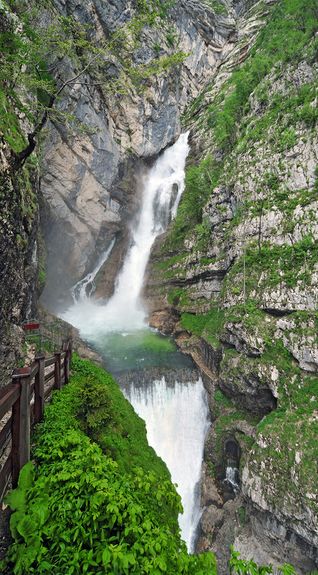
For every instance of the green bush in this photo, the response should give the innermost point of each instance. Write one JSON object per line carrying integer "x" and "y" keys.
{"x": 81, "y": 511}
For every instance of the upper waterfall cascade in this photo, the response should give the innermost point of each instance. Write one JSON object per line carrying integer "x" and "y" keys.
{"x": 161, "y": 194}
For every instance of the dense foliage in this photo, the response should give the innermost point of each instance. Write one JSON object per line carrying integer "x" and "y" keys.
{"x": 294, "y": 21}
{"x": 83, "y": 509}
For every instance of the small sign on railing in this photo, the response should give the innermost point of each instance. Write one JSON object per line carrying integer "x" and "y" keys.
{"x": 31, "y": 326}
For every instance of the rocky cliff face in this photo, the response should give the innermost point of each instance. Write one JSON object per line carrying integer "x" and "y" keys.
{"x": 18, "y": 256}
{"x": 90, "y": 182}
{"x": 19, "y": 225}
{"x": 238, "y": 273}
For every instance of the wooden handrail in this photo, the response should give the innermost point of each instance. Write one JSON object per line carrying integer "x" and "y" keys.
{"x": 27, "y": 382}
{"x": 8, "y": 396}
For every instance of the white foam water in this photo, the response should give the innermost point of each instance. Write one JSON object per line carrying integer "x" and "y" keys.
{"x": 161, "y": 195}
{"x": 177, "y": 421}
{"x": 85, "y": 287}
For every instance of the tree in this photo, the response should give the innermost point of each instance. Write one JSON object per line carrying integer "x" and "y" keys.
{"x": 31, "y": 54}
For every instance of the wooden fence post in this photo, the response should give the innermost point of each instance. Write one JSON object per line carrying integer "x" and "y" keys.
{"x": 57, "y": 370}
{"x": 21, "y": 422}
{"x": 39, "y": 389}
{"x": 67, "y": 366}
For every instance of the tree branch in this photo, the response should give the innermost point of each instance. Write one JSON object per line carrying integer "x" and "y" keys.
{"x": 21, "y": 157}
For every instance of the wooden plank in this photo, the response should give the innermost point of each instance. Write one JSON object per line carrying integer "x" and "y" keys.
{"x": 5, "y": 435}
{"x": 39, "y": 390}
{"x": 57, "y": 371}
{"x": 21, "y": 423}
{"x": 48, "y": 391}
{"x": 8, "y": 396}
{"x": 5, "y": 474}
{"x": 49, "y": 361}
{"x": 50, "y": 375}
{"x": 34, "y": 370}
{"x": 67, "y": 367}
{"x": 62, "y": 376}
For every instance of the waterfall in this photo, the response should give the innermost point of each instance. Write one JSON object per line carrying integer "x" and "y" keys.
{"x": 232, "y": 476}
{"x": 175, "y": 410}
{"x": 161, "y": 194}
{"x": 85, "y": 288}
{"x": 177, "y": 421}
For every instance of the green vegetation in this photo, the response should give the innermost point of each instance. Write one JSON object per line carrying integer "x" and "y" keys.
{"x": 275, "y": 264}
{"x": 225, "y": 423}
{"x": 248, "y": 567}
{"x": 178, "y": 297}
{"x": 224, "y": 118}
{"x": 208, "y": 325}
{"x": 84, "y": 509}
{"x": 194, "y": 323}
{"x": 200, "y": 181}
{"x": 268, "y": 50}
{"x": 290, "y": 447}
{"x": 28, "y": 55}
{"x": 280, "y": 113}
{"x": 217, "y": 6}
{"x": 95, "y": 504}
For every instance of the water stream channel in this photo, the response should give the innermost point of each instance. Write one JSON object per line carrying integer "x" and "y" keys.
{"x": 162, "y": 384}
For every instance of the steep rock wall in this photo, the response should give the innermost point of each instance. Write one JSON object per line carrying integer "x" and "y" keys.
{"x": 238, "y": 270}
{"x": 90, "y": 182}
{"x": 19, "y": 225}
{"x": 19, "y": 217}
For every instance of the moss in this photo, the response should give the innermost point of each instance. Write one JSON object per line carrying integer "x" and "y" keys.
{"x": 225, "y": 424}
{"x": 110, "y": 419}
{"x": 217, "y": 6}
{"x": 272, "y": 265}
{"x": 286, "y": 433}
{"x": 200, "y": 180}
{"x": 178, "y": 297}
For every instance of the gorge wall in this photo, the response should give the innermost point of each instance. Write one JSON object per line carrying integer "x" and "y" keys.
{"x": 236, "y": 281}
{"x": 236, "y": 278}
{"x": 90, "y": 181}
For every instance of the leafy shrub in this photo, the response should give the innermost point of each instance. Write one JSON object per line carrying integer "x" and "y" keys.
{"x": 78, "y": 511}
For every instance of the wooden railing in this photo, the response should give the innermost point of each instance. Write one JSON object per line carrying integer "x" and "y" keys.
{"x": 22, "y": 405}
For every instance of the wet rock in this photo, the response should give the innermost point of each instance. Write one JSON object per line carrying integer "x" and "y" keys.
{"x": 212, "y": 518}
{"x": 236, "y": 335}
{"x": 251, "y": 386}
{"x": 82, "y": 175}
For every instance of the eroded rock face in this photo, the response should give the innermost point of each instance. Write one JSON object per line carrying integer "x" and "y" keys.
{"x": 248, "y": 269}
{"x": 83, "y": 182}
{"x": 18, "y": 257}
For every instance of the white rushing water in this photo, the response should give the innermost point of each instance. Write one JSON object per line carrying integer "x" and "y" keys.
{"x": 85, "y": 288}
{"x": 124, "y": 311}
{"x": 176, "y": 415}
{"x": 177, "y": 421}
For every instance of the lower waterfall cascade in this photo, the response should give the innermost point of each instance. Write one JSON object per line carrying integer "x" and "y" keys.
{"x": 175, "y": 411}
{"x": 177, "y": 421}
